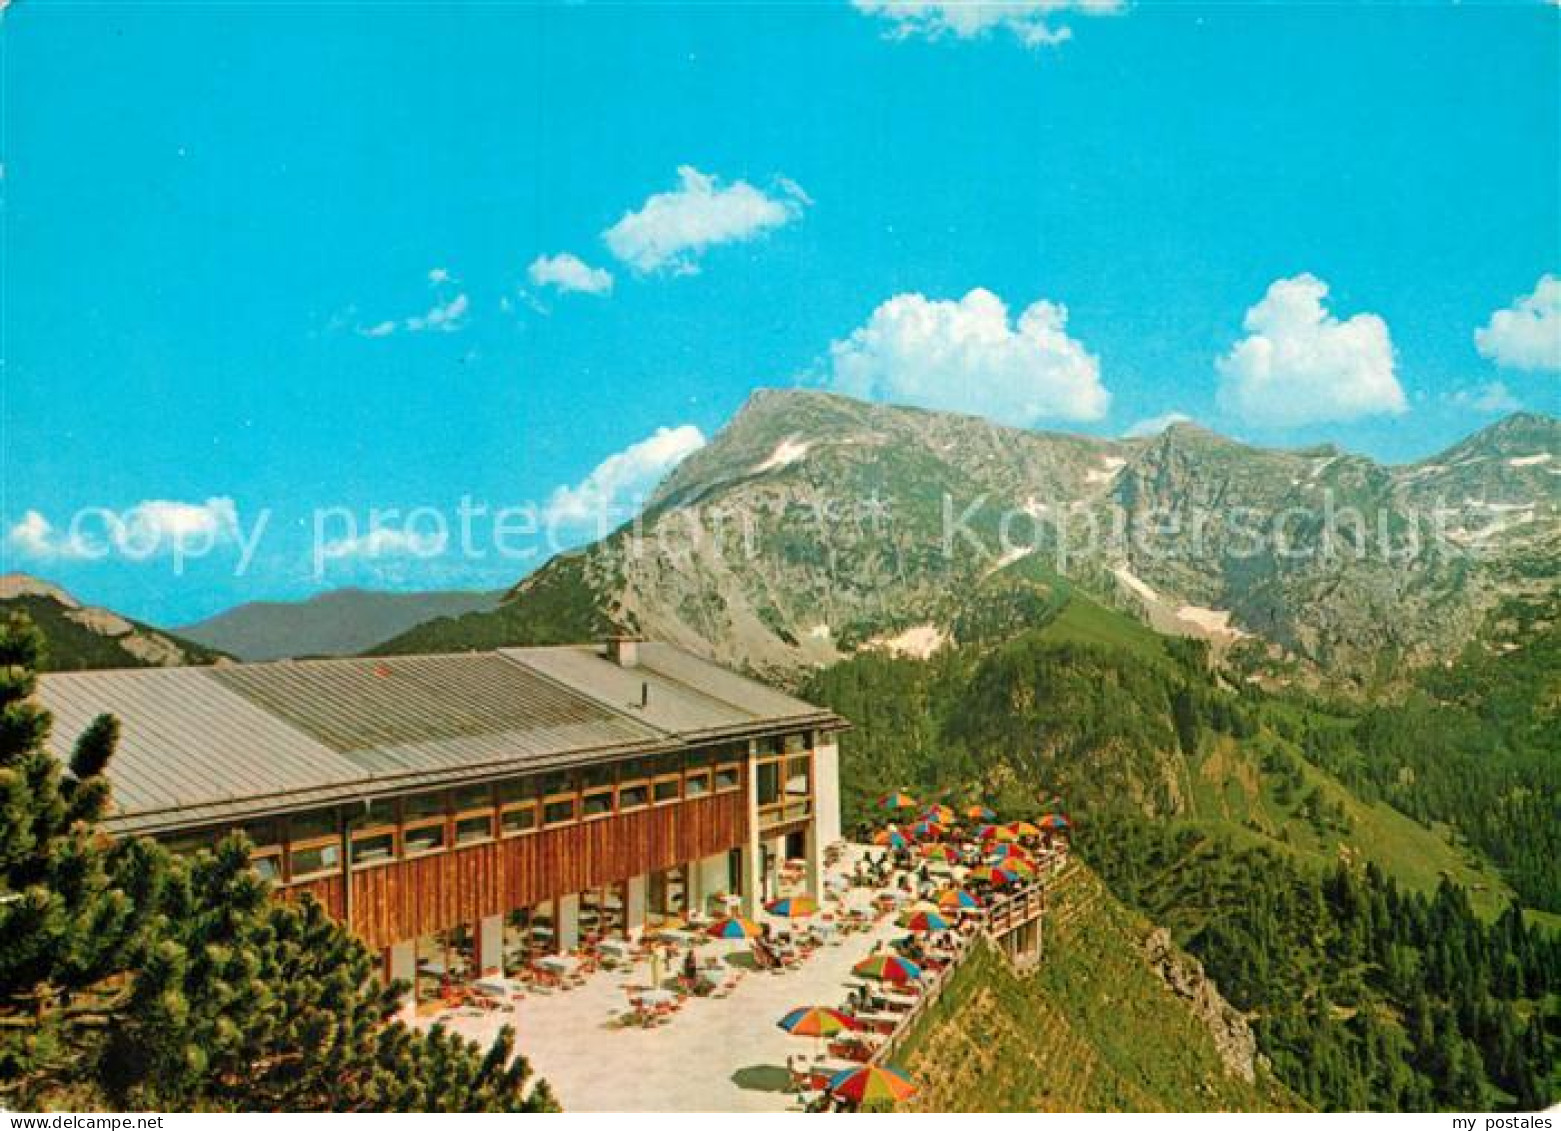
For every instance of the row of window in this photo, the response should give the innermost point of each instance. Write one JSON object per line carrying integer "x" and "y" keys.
{"x": 307, "y": 845}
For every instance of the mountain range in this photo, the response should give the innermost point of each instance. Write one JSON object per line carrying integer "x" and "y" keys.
{"x": 814, "y": 526}
{"x": 340, "y": 622}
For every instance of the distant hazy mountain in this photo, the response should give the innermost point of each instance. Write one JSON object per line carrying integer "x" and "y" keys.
{"x": 815, "y": 525}
{"x": 80, "y": 636}
{"x": 337, "y": 623}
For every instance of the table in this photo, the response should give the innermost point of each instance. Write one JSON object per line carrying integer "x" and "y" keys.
{"x": 653, "y": 998}
{"x": 504, "y": 989}
{"x": 558, "y": 963}
{"x": 616, "y": 948}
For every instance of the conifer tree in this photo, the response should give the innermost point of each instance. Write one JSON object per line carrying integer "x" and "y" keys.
{"x": 134, "y": 978}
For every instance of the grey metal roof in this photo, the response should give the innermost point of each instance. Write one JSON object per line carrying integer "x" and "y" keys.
{"x": 681, "y": 693}
{"x": 222, "y": 743}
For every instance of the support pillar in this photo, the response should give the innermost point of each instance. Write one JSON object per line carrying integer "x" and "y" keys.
{"x": 401, "y": 963}
{"x": 488, "y": 935}
{"x": 568, "y": 923}
{"x": 634, "y": 907}
{"x": 814, "y": 851}
{"x": 753, "y": 859}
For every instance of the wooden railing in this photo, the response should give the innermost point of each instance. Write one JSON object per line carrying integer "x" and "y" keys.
{"x": 996, "y": 919}
{"x": 1012, "y": 911}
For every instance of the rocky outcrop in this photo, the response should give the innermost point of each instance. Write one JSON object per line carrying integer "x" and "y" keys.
{"x": 1184, "y": 975}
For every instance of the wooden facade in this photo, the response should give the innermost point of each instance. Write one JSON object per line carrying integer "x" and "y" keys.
{"x": 409, "y": 898}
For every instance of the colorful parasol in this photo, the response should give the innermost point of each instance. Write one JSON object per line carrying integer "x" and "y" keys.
{"x": 817, "y": 1021}
{"x": 890, "y": 838}
{"x": 734, "y": 927}
{"x": 887, "y": 968}
{"x": 923, "y": 921}
{"x": 957, "y": 899}
{"x": 899, "y": 799}
{"x": 793, "y": 907}
{"x": 871, "y": 1083}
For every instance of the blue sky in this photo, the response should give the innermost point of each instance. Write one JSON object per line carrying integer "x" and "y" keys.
{"x": 211, "y": 212}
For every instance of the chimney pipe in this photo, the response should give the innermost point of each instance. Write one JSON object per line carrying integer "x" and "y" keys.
{"x": 623, "y": 651}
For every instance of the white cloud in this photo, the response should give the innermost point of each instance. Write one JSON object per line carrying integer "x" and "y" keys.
{"x": 147, "y": 529}
{"x": 618, "y": 484}
{"x": 1301, "y": 365}
{"x": 446, "y": 316}
{"x": 388, "y": 542}
{"x": 36, "y": 537}
{"x": 966, "y": 356}
{"x": 1032, "y": 22}
{"x": 1527, "y": 334}
{"x": 1154, "y": 425}
{"x": 1494, "y": 397}
{"x": 672, "y": 229}
{"x": 567, "y": 272}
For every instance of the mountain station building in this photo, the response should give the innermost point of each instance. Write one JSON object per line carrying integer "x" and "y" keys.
{"x": 477, "y": 810}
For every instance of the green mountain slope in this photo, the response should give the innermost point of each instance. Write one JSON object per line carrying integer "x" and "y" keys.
{"x": 1094, "y": 1028}
{"x": 78, "y": 636}
{"x": 1096, "y": 708}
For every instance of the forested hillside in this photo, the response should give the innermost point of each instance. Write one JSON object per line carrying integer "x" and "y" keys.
{"x": 1384, "y": 961}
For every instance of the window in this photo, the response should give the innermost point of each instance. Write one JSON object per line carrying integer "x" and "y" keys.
{"x": 769, "y": 782}
{"x": 799, "y": 776}
{"x": 795, "y": 744}
{"x": 597, "y": 804}
{"x": 264, "y": 835}
{"x": 697, "y": 784}
{"x": 471, "y": 830}
{"x": 517, "y": 790}
{"x": 373, "y": 848}
{"x": 423, "y": 828}
{"x": 634, "y": 783}
{"x": 518, "y": 819}
{"x": 268, "y": 867}
{"x": 667, "y": 789}
{"x": 559, "y": 811}
{"x": 557, "y": 782}
{"x": 313, "y": 825}
{"x": 315, "y": 860}
{"x": 424, "y": 805}
{"x": 425, "y": 838}
{"x": 187, "y": 843}
{"x": 517, "y": 806}
{"x": 470, "y": 798}
{"x": 728, "y": 778}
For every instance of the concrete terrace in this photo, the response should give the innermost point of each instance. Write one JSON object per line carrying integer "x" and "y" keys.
{"x": 715, "y": 1054}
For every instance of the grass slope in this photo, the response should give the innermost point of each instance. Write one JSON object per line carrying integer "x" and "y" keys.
{"x": 70, "y": 646}
{"x": 1093, "y": 1029}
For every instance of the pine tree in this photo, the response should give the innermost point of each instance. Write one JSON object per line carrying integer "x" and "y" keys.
{"x": 73, "y": 905}
{"x": 135, "y": 978}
